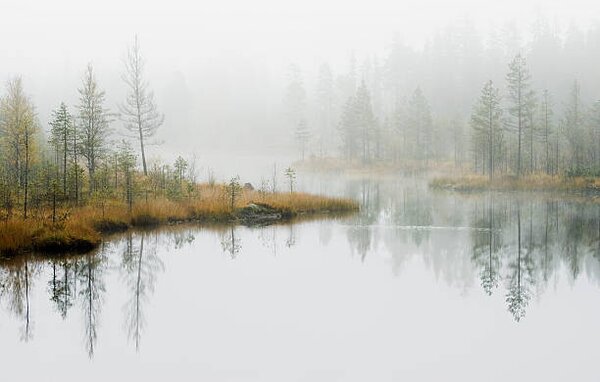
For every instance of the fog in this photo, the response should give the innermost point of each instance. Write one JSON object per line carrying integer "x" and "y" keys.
{"x": 220, "y": 69}
{"x": 315, "y": 190}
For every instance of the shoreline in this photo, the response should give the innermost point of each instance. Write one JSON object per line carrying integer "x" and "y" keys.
{"x": 83, "y": 228}
{"x": 586, "y": 186}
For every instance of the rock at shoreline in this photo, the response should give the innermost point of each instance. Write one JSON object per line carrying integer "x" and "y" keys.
{"x": 259, "y": 214}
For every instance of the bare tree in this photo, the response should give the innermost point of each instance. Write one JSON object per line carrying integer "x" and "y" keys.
{"x": 139, "y": 112}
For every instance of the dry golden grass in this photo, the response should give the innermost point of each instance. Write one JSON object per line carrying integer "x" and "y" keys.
{"x": 533, "y": 182}
{"x": 374, "y": 168}
{"x": 15, "y": 235}
{"x": 80, "y": 228}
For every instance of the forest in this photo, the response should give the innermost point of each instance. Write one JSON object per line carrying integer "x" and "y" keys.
{"x": 464, "y": 103}
{"x": 59, "y": 191}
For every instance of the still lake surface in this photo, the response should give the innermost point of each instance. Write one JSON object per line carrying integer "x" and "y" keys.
{"x": 420, "y": 285}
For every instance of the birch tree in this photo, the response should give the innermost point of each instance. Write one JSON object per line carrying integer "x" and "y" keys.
{"x": 18, "y": 128}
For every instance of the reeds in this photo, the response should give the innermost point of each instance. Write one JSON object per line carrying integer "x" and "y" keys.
{"x": 531, "y": 182}
{"x": 80, "y": 228}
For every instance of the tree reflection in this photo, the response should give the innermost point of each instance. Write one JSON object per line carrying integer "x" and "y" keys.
{"x": 16, "y": 289}
{"x": 90, "y": 275}
{"x": 230, "y": 243}
{"x": 268, "y": 237}
{"x": 291, "y": 239}
{"x": 485, "y": 249}
{"x": 62, "y": 285}
{"x": 518, "y": 294}
{"x": 140, "y": 266}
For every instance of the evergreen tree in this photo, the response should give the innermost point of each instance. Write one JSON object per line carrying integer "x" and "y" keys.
{"x": 61, "y": 132}
{"x": 420, "y": 126}
{"x": 594, "y": 122}
{"x": 295, "y": 97}
{"x": 302, "y": 135}
{"x": 486, "y": 125}
{"x": 574, "y": 129}
{"x": 520, "y": 96}
{"x": 548, "y": 130}
{"x": 325, "y": 104}
{"x": 349, "y": 128}
{"x": 365, "y": 121}
{"x": 93, "y": 126}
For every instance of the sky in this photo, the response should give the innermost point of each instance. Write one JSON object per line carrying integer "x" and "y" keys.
{"x": 207, "y": 45}
{"x": 180, "y": 32}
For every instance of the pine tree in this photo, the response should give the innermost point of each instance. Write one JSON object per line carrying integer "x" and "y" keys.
{"x": 325, "y": 101}
{"x": 594, "y": 121}
{"x": 61, "y": 132}
{"x": 365, "y": 121}
{"x": 548, "y": 131}
{"x": 127, "y": 161}
{"x": 420, "y": 126}
{"x": 486, "y": 125}
{"x": 349, "y": 128}
{"x": 574, "y": 129}
{"x": 302, "y": 135}
{"x": 520, "y": 96}
{"x": 93, "y": 126}
{"x": 295, "y": 97}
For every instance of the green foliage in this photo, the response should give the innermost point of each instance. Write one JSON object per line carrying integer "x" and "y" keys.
{"x": 290, "y": 174}
{"x": 233, "y": 191}
{"x": 488, "y": 139}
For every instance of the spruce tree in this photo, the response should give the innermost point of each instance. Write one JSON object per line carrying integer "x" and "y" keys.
{"x": 61, "y": 133}
{"x": 486, "y": 125}
{"x": 520, "y": 96}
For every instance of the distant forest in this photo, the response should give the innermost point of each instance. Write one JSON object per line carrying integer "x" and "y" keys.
{"x": 507, "y": 103}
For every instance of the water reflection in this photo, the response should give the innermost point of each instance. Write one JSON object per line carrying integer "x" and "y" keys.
{"x": 230, "y": 242}
{"x": 517, "y": 243}
{"x": 140, "y": 266}
{"x": 62, "y": 285}
{"x": 513, "y": 247}
{"x": 90, "y": 276}
{"x": 15, "y": 290}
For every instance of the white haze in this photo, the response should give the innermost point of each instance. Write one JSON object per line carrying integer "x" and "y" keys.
{"x": 219, "y": 68}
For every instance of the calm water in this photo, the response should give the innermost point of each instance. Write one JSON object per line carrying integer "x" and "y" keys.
{"x": 418, "y": 286}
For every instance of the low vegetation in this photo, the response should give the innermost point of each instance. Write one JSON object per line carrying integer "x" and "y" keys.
{"x": 80, "y": 228}
{"x": 535, "y": 182}
{"x": 373, "y": 167}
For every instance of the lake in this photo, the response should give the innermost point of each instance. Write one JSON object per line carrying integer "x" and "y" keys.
{"x": 420, "y": 285}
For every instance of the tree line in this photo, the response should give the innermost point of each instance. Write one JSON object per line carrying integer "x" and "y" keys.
{"x": 515, "y": 131}
{"x": 83, "y": 158}
{"x": 503, "y": 106}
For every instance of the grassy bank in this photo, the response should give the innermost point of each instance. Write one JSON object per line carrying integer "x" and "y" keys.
{"x": 80, "y": 228}
{"x": 374, "y": 167}
{"x": 536, "y": 182}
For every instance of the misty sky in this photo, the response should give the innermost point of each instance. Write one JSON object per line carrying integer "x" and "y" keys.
{"x": 179, "y": 32}
{"x": 238, "y": 48}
